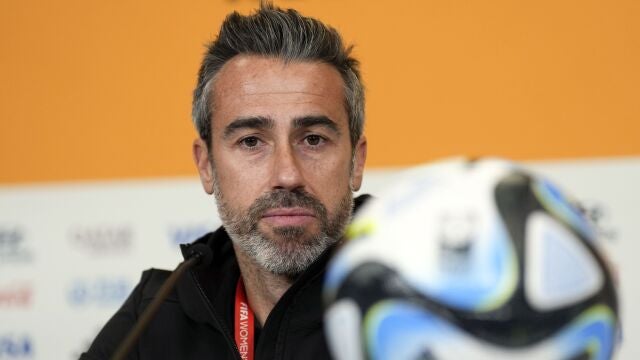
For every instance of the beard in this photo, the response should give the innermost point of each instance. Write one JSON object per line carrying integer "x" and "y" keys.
{"x": 289, "y": 250}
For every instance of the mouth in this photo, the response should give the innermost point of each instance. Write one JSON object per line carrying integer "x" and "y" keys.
{"x": 289, "y": 216}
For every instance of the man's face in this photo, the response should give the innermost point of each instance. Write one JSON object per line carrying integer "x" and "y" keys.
{"x": 282, "y": 165}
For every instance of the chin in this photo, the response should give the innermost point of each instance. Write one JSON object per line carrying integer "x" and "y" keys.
{"x": 292, "y": 233}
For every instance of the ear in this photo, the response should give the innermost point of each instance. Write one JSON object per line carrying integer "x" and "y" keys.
{"x": 201, "y": 158}
{"x": 359, "y": 158}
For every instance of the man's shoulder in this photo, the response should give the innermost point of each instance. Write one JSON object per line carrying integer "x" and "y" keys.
{"x": 151, "y": 280}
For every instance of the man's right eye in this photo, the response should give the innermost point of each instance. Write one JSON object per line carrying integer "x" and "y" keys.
{"x": 249, "y": 142}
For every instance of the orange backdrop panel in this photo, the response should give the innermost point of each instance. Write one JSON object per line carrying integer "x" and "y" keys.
{"x": 101, "y": 89}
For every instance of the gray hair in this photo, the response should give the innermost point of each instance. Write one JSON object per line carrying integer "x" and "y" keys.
{"x": 287, "y": 35}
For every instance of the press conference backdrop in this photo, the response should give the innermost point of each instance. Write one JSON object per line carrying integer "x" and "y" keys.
{"x": 96, "y": 180}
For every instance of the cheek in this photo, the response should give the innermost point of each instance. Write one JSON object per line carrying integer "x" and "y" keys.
{"x": 332, "y": 181}
{"x": 240, "y": 185}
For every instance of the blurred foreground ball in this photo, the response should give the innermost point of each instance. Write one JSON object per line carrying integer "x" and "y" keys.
{"x": 470, "y": 260}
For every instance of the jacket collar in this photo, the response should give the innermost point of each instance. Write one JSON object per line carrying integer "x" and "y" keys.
{"x": 204, "y": 292}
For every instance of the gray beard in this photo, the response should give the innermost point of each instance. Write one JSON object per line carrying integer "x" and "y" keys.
{"x": 290, "y": 250}
{"x": 289, "y": 262}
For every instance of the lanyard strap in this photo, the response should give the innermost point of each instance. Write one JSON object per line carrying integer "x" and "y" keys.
{"x": 243, "y": 323}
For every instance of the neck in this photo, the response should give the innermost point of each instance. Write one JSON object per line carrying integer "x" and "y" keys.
{"x": 263, "y": 288}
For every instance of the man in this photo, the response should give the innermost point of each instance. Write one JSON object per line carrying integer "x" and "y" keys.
{"x": 279, "y": 107}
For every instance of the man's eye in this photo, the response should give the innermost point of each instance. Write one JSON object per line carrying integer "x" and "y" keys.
{"x": 313, "y": 140}
{"x": 250, "y": 141}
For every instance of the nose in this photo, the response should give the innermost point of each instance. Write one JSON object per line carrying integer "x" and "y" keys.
{"x": 287, "y": 173}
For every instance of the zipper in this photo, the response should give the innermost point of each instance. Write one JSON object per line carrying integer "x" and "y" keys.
{"x": 225, "y": 331}
{"x": 283, "y": 305}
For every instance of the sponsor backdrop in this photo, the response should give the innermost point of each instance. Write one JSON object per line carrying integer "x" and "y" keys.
{"x": 96, "y": 180}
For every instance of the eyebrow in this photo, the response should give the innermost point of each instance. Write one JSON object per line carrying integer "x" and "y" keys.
{"x": 254, "y": 122}
{"x": 309, "y": 121}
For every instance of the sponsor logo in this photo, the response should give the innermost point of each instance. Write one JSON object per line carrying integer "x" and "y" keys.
{"x": 187, "y": 234}
{"x": 458, "y": 233}
{"x": 243, "y": 345}
{"x": 102, "y": 240}
{"x": 12, "y": 245}
{"x": 15, "y": 295}
{"x": 15, "y": 347}
{"x": 101, "y": 291}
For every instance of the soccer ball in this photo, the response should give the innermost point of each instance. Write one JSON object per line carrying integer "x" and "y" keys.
{"x": 471, "y": 260}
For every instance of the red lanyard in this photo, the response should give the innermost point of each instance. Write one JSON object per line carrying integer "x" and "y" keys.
{"x": 243, "y": 323}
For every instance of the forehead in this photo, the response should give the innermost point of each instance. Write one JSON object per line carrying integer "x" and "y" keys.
{"x": 264, "y": 86}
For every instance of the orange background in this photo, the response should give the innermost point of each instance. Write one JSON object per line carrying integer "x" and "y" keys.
{"x": 102, "y": 89}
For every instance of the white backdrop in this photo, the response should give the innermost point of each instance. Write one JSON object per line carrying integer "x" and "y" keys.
{"x": 70, "y": 253}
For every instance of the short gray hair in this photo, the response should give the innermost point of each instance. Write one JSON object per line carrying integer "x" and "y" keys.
{"x": 287, "y": 35}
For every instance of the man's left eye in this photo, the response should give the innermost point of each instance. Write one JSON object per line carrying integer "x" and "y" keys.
{"x": 313, "y": 140}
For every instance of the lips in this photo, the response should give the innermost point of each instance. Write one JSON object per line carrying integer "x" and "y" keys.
{"x": 288, "y": 212}
{"x": 288, "y": 216}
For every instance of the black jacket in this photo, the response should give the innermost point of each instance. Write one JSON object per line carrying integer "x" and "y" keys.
{"x": 196, "y": 320}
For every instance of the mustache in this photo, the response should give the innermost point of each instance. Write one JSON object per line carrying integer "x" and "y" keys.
{"x": 286, "y": 199}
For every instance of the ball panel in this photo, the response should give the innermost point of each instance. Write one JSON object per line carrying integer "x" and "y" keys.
{"x": 343, "y": 325}
{"x": 556, "y": 203}
{"x": 560, "y": 270}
